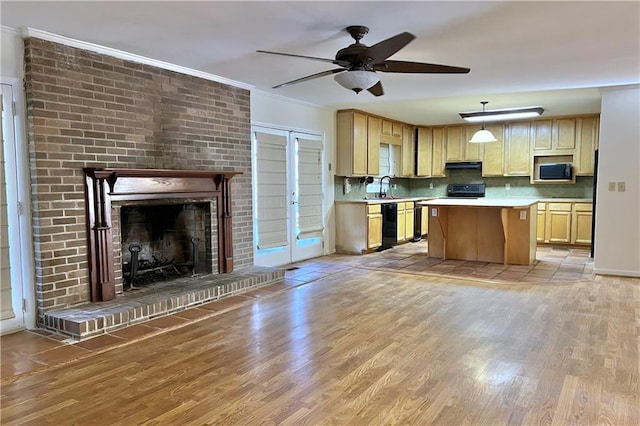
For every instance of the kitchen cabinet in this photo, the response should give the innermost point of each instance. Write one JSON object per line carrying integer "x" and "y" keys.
{"x": 408, "y": 151}
{"x": 424, "y": 222}
{"x": 587, "y": 138}
{"x": 358, "y": 227}
{"x": 554, "y": 136}
{"x": 438, "y": 152}
{"x": 358, "y": 144}
{"x": 581, "y": 216}
{"x": 409, "y": 219}
{"x": 455, "y": 143}
{"x": 424, "y": 152}
{"x": 493, "y": 152}
{"x": 564, "y": 222}
{"x": 401, "y": 222}
{"x": 540, "y": 226}
{"x": 473, "y": 151}
{"x": 558, "y": 223}
{"x": 517, "y": 153}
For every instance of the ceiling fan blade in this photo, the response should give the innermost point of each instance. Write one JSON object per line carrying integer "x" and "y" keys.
{"x": 384, "y": 49}
{"x": 376, "y": 89}
{"x": 331, "y": 61}
{"x": 310, "y": 77}
{"x": 418, "y": 67}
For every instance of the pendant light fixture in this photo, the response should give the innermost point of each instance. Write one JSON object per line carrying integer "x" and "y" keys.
{"x": 483, "y": 135}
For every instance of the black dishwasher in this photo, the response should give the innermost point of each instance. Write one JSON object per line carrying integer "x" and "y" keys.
{"x": 389, "y": 225}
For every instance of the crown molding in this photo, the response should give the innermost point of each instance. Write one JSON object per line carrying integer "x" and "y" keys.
{"x": 44, "y": 35}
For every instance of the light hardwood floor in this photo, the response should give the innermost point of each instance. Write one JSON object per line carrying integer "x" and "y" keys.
{"x": 362, "y": 346}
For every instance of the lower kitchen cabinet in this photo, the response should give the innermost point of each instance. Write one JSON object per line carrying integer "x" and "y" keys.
{"x": 401, "y": 222}
{"x": 564, "y": 223}
{"x": 358, "y": 227}
{"x": 581, "y": 216}
{"x": 409, "y": 220}
{"x": 424, "y": 222}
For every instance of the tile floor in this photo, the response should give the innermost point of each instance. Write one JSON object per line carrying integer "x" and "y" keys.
{"x": 27, "y": 352}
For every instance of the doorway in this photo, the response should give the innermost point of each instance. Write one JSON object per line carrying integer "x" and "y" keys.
{"x": 288, "y": 196}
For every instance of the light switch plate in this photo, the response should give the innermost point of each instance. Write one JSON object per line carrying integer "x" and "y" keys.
{"x": 622, "y": 186}
{"x": 612, "y": 186}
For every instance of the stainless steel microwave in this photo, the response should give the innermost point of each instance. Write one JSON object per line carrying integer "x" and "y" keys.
{"x": 555, "y": 171}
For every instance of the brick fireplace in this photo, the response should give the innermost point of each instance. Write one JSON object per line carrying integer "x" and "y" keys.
{"x": 90, "y": 111}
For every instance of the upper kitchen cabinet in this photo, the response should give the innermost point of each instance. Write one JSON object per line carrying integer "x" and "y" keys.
{"x": 492, "y": 152}
{"x": 438, "y": 150}
{"x": 408, "y": 151}
{"x": 391, "y": 132}
{"x": 517, "y": 149}
{"x": 357, "y": 145}
{"x": 424, "y": 150}
{"x": 556, "y": 135}
{"x": 458, "y": 146}
{"x": 587, "y": 134}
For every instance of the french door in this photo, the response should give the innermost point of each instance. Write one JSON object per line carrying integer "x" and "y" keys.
{"x": 288, "y": 196}
{"x": 11, "y": 295}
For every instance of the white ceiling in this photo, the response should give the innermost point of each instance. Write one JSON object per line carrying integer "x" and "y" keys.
{"x": 553, "y": 54}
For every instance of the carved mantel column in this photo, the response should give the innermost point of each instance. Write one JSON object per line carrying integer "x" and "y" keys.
{"x": 102, "y": 186}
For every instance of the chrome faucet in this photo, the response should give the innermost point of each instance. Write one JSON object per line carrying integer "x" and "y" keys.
{"x": 384, "y": 194}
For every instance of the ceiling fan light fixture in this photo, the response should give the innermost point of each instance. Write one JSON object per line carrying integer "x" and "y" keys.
{"x": 357, "y": 80}
{"x": 502, "y": 114}
{"x": 483, "y": 135}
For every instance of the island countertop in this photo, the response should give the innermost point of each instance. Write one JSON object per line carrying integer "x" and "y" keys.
{"x": 504, "y": 202}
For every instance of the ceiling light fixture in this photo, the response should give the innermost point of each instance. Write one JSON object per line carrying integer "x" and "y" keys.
{"x": 483, "y": 135}
{"x": 502, "y": 114}
{"x": 357, "y": 80}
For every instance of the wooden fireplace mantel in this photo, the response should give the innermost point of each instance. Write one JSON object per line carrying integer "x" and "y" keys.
{"x": 102, "y": 186}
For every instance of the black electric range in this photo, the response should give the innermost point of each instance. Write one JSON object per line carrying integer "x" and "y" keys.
{"x": 467, "y": 190}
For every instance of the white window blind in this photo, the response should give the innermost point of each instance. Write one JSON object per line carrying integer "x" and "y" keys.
{"x": 271, "y": 177}
{"x": 309, "y": 188}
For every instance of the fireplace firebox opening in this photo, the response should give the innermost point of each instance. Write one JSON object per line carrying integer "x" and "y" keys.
{"x": 164, "y": 242}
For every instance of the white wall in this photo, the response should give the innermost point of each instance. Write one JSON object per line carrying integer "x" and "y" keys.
{"x": 617, "y": 236}
{"x": 287, "y": 114}
{"x": 12, "y": 53}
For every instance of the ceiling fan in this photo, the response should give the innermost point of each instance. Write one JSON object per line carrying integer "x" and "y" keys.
{"x": 361, "y": 63}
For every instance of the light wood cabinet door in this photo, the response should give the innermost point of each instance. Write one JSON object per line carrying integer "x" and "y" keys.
{"x": 387, "y": 128}
{"x": 397, "y": 130}
{"x": 472, "y": 151}
{"x": 409, "y": 220}
{"x": 563, "y": 134}
{"x": 517, "y": 155}
{"x": 408, "y": 151}
{"x": 351, "y": 144}
{"x": 587, "y": 134}
{"x": 401, "y": 222}
{"x": 558, "y": 223}
{"x": 438, "y": 152}
{"x": 541, "y": 135}
{"x": 373, "y": 145}
{"x": 581, "y": 223}
{"x": 374, "y": 230}
{"x": 542, "y": 215}
{"x": 493, "y": 152}
{"x": 455, "y": 143}
{"x": 425, "y": 220}
{"x": 424, "y": 152}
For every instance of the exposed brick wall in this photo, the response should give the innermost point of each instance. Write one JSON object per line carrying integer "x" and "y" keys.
{"x": 91, "y": 110}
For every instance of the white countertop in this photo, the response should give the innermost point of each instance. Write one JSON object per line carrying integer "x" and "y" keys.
{"x": 508, "y": 202}
{"x": 488, "y": 201}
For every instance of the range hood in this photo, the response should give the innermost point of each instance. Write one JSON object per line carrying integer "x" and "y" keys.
{"x": 466, "y": 165}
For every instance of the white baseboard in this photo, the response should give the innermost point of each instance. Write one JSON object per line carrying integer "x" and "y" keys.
{"x": 618, "y": 272}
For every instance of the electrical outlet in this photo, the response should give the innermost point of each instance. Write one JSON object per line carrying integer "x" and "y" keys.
{"x": 507, "y": 186}
{"x": 523, "y": 215}
{"x": 430, "y": 185}
{"x": 622, "y": 186}
{"x": 612, "y": 186}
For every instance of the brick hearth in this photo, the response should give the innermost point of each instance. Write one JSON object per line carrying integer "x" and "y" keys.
{"x": 157, "y": 300}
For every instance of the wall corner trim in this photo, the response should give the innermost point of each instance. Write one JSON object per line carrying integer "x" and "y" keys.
{"x": 44, "y": 35}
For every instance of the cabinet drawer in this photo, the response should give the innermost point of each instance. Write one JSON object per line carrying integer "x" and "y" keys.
{"x": 400, "y": 207}
{"x": 542, "y": 206}
{"x": 374, "y": 208}
{"x": 560, "y": 206}
{"x": 583, "y": 207}
{"x": 409, "y": 205}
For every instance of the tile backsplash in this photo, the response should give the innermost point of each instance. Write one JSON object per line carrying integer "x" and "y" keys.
{"x": 495, "y": 186}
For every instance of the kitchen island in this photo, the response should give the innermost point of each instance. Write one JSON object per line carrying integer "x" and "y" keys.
{"x": 499, "y": 230}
